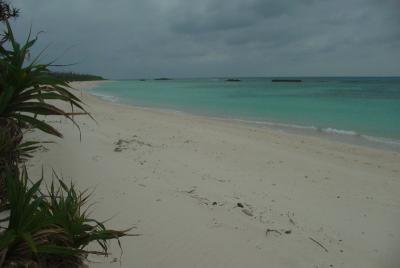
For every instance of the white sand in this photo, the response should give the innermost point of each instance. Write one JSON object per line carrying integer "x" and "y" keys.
{"x": 172, "y": 168}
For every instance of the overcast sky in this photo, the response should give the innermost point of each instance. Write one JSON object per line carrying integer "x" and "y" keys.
{"x": 209, "y": 38}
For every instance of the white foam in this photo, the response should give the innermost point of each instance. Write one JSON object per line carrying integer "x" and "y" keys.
{"x": 273, "y": 124}
{"x": 105, "y": 96}
{"x": 336, "y": 134}
{"x": 340, "y": 131}
{"x": 386, "y": 141}
{"x": 382, "y": 140}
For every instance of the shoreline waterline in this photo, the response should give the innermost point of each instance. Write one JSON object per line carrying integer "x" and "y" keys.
{"x": 344, "y": 136}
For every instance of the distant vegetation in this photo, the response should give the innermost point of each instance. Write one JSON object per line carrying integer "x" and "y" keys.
{"x": 162, "y": 79}
{"x": 70, "y": 76}
{"x": 286, "y": 80}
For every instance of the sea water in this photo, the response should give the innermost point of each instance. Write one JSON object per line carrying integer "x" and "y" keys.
{"x": 358, "y": 107}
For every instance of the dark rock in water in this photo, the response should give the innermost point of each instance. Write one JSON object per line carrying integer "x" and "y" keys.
{"x": 232, "y": 80}
{"x": 162, "y": 79}
{"x": 288, "y": 231}
{"x": 214, "y": 203}
{"x": 240, "y": 205}
{"x": 287, "y": 80}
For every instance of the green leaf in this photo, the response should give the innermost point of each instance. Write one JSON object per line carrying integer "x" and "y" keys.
{"x": 28, "y": 88}
{"x": 7, "y": 238}
{"x": 38, "y": 124}
{"x": 28, "y": 239}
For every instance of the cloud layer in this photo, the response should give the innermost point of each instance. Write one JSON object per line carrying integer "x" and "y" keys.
{"x": 187, "y": 38}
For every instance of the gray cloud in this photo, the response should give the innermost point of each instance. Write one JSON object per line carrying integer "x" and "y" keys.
{"x": 187, "y": 38}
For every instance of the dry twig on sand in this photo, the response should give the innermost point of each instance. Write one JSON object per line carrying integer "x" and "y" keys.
{"x": 318, "y": 243}
{"x": 290, "y": 218}
{"x": 272, "y": 231}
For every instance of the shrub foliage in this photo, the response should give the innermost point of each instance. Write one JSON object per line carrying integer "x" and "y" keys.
{"x": 51, "y": 228}
{"x": 39, "y": 226}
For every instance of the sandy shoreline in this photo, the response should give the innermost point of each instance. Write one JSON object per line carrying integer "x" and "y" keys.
{"x": 179, "y": 179}
{"x": 343, "y": 136}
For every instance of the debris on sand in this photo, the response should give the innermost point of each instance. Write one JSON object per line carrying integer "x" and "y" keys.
{"x": 122, "y": 144}
{"x": 319, "y": 244}
{"x": 272, "y": 231}
{"x": 247, "y": 212}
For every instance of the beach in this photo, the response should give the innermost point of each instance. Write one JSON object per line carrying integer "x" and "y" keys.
{"x": 215, "y": 193}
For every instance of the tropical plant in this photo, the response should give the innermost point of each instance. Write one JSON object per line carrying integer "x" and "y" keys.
{"x": 26, "y": 90}
{"x": 27, "y": 93}
{"x": 68, "y": 208}
{"x": 28, "y": 229}
{"x": 7, "y": 11}
{"x": 50, "y": 229}
{"x": 12, "y": 152}
{"x": 12, "y": 149}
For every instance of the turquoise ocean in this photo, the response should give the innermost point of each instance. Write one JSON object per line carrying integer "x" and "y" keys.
{"x": 357, "y": 109}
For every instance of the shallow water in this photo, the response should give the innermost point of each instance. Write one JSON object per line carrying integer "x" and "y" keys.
{"x": 356, "y": 107}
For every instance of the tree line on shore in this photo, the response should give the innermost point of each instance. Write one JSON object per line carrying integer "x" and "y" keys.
{"x": 71, "y": 76}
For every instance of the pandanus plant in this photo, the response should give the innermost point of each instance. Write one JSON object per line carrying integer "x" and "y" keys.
{"x": 27, "y": 88}
{"x": 51, "y": 228}
{"x": 28, "y": 92}
{"x": 38, "y": 229}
